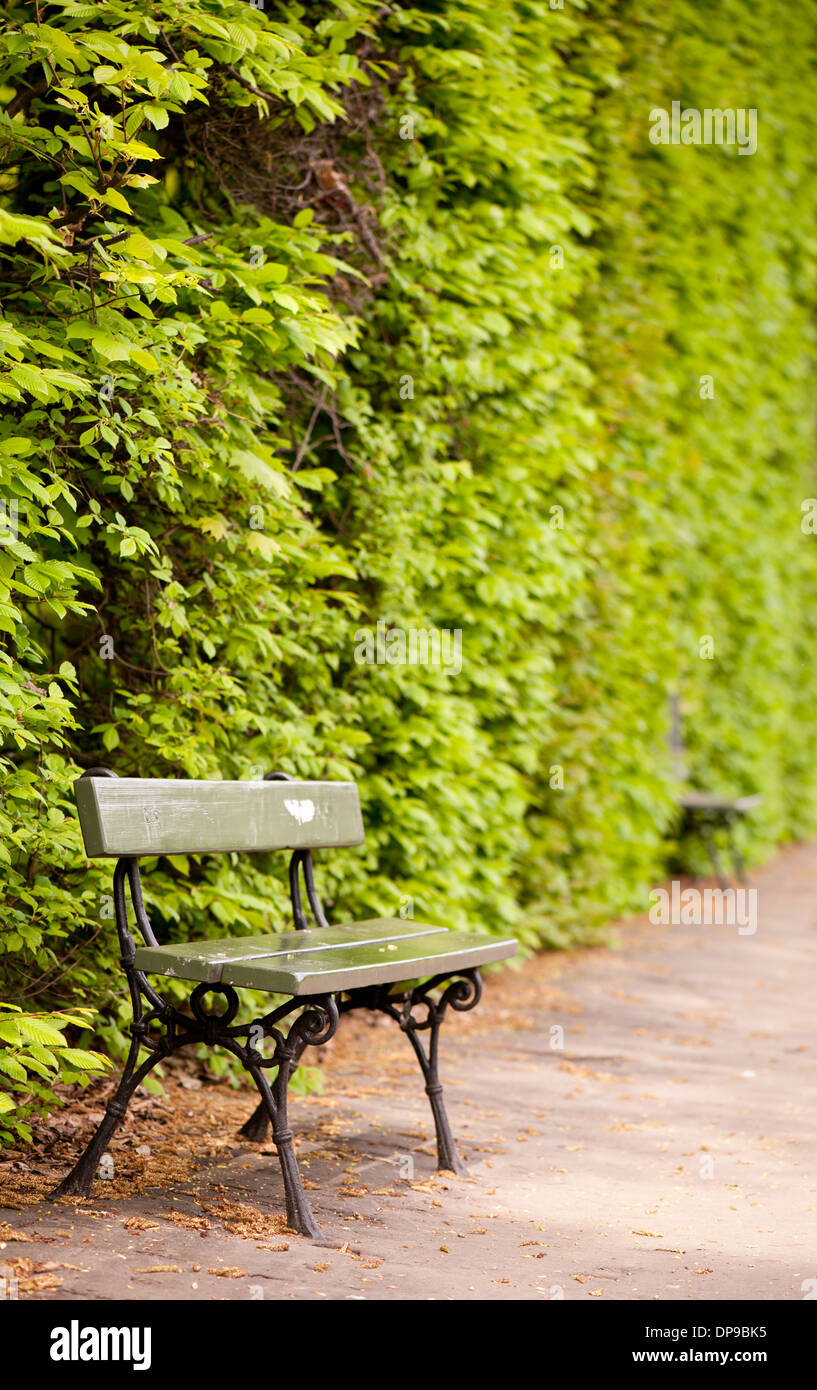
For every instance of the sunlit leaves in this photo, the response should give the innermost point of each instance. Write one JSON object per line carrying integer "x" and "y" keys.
{"x": 221, "y": 466}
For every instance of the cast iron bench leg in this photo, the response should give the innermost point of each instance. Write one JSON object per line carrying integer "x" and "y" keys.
{"x": 274, "y": 1105}
{"x": 79, "y": 1181}
{"x": 315, "y": 1025}
{"x": 448, "y": 1160}
{"x": 462, "y": 994}
{"x": 709, "y": 839}
{"x": 737, "y": 857}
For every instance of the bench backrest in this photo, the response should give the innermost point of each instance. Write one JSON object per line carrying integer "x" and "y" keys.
{"x": 142, "y": 816}
{"x": 675, "y": 740}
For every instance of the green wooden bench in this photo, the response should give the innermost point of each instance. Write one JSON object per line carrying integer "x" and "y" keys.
{"x": 411, "y": 971}
{"x": 706, "y": 812}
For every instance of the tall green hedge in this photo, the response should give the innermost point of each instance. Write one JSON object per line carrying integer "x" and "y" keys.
{"x": 319, "y": 316}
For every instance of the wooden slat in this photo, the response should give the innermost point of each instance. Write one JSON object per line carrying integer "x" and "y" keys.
{"x": 317, "y": 972}
{"x": 139, "y": 816}
{"x": 205, "y": 960}
{"x": 709, "y": 801}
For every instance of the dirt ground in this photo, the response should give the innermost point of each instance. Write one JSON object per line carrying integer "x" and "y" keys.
{"x": 665, "y": 1151}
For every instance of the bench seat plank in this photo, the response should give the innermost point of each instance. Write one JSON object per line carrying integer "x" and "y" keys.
{"x": 367, "y": 963}
{"x": 205, "y": 960}
{"x": 380, "y": 951}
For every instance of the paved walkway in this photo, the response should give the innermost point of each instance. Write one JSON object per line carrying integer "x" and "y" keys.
{"x": 666, "y": 1151}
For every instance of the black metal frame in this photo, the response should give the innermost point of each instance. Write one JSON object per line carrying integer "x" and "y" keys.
{"x": 705, "y": 820}
{"x": 163, "y": 1029}
{"x": 463, "y": 993}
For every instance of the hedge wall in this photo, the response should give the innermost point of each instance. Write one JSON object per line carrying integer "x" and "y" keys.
{"x": 322, "y": 316}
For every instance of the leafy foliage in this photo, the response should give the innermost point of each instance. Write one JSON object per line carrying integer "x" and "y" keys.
{"x": 315, "y": 317}
{"x": 33, "y": 1053}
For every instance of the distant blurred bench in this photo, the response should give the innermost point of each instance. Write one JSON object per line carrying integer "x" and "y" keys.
{"x": 326, "y": 971}
{"x": 705, "y": 812}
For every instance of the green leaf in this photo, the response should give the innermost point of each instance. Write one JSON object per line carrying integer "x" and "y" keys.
{"x": 138, "y": 245}
{"x": 157, "y": 115}
{"x": 117, "y": 200}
